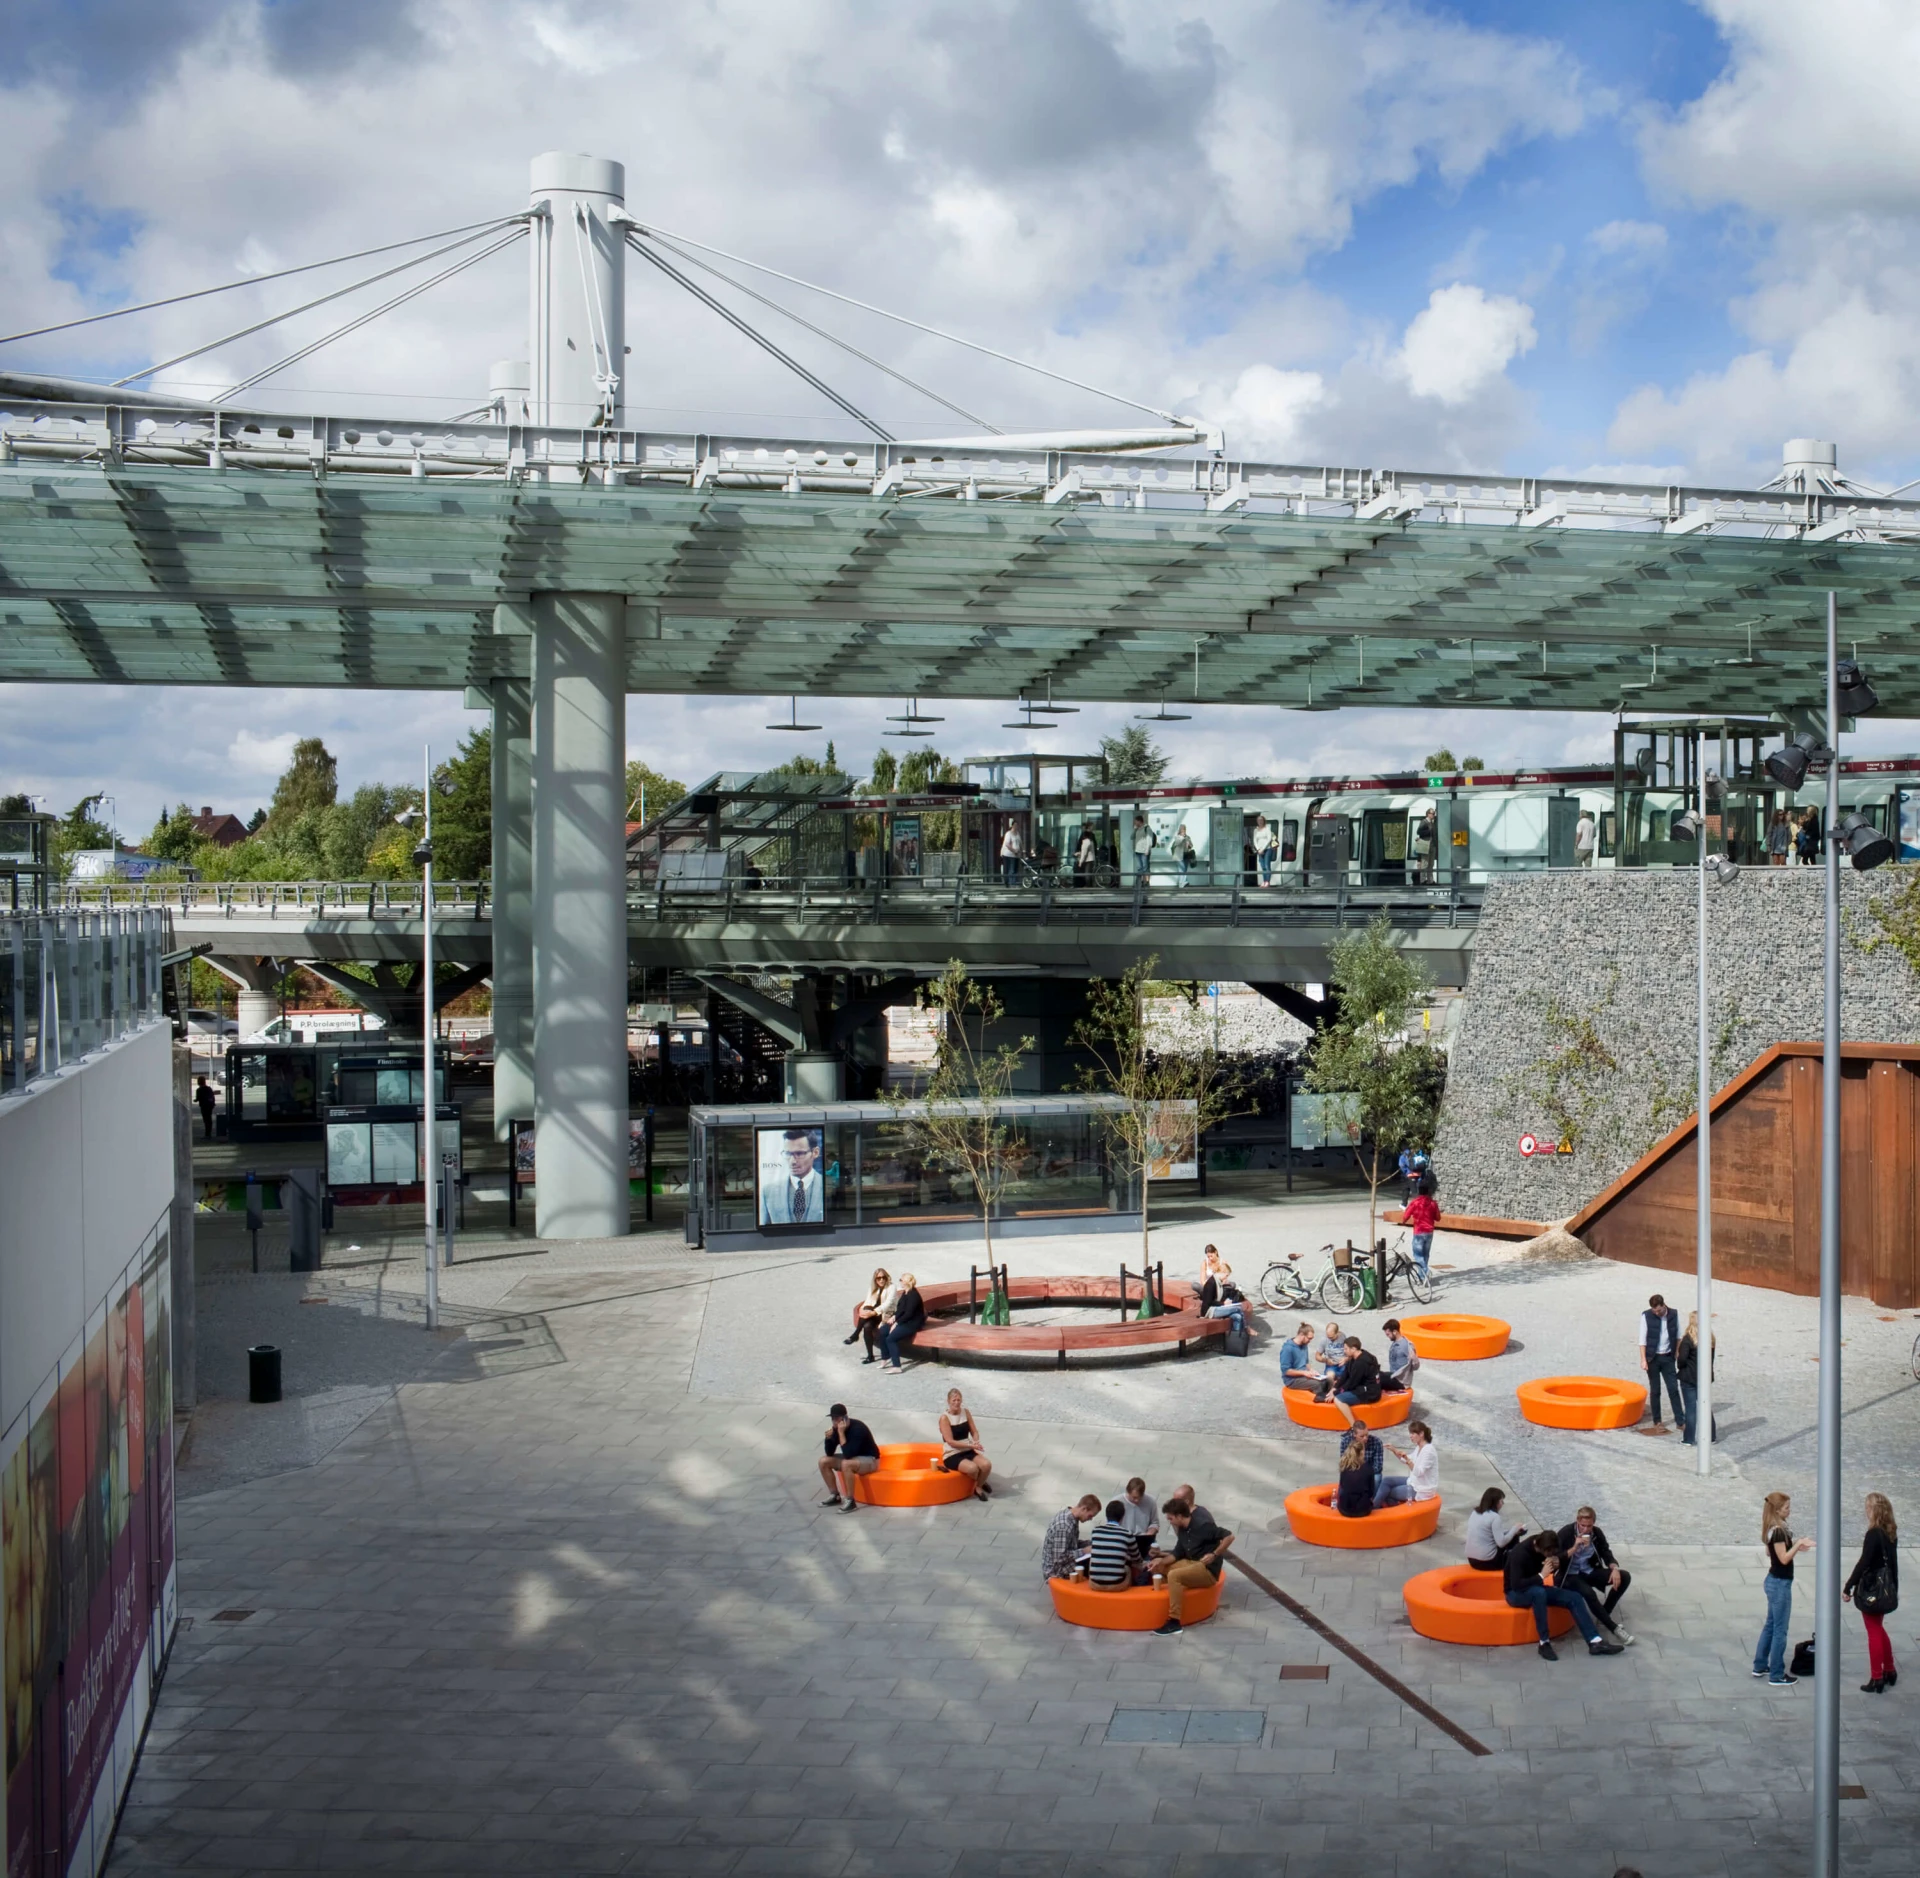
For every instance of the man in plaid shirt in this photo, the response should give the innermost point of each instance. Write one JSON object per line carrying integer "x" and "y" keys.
{"x": 1063, "y": 1537}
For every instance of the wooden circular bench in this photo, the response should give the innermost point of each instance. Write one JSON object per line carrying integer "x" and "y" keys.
{"x": 1457, "y": 1604}
{"x": 949, "y": 1335}
{"x": 1582, "y": 1402}
{"x": 1454, "y": 1336}
{"x": 910, "y": 1474}
{"x": 1389, "y": 1412}
{"x": 1139, "y": 1607}
{"x": 1311, "y": 1514}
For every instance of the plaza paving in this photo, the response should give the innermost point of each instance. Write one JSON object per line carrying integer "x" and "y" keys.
{"x": 547, "y": 1591}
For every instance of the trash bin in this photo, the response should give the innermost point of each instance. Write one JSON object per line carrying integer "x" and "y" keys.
{"x": 263, "y": 1372}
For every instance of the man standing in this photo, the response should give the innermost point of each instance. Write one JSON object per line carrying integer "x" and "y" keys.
{"x": 1585, "y": 839}
{"x": 1659, "y": 1340}
{"x": 1426, "y": 838}
{"x": 203, "y": 1095}
{"x": 1592, "y": 1568}
{"x": 850, "y": 1450}
{"x": 1197, "y": 1558}
{"x": 1060, "y": 1549}
{"x": 1011, "y": 847}
{"x": 795, "y": 1199}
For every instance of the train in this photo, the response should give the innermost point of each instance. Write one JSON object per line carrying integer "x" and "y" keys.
{"x": 1073, "y": 826}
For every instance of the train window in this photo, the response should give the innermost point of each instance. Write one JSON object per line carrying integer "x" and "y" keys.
{"x": 1609, "y": 828}
{"x": 1290, "y": 840}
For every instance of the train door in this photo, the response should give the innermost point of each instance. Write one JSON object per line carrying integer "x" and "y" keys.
{"x": 1563, "y": 812}
{"x": 1383, "y": 837}
{"x": 1229, "y": 839}
{"x": 1329, "y": 849}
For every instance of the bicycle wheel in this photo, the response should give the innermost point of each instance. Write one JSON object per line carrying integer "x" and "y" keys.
{"x": 1916, "y": 1359}
{"x": 1276, "y": 1290}
{"x": 1419, "y": 1284}
{"x": 1340, "y": 1291}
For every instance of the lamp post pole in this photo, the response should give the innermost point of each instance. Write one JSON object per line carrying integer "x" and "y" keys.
{"x": 429, "y": 1159}
{"x": 1703, "y": 1145}
{"x": 1826, "y": 1683}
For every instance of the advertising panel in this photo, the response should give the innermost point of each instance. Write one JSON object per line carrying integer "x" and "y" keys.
{"x": 86, "y": 1559}
{"x": 1176, "y": 1141}
{"x": 791, "y": 1176}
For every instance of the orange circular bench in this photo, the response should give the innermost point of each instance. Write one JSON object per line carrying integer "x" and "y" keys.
{"x": 1311, "y": 1514}
{"x": 1453, "y": 1337}
{"x": 1139, "y": 1607}
{"x": 1582, "y": 1402}
{"x": 1457, "y": 1604}
{"x": 910, "y": 1474}
{"x": 1388, "y": 1412}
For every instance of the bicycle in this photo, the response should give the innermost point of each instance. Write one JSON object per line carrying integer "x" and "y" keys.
{"x": 1282, "y": 1288}
{"x": 1401, "y": 1264}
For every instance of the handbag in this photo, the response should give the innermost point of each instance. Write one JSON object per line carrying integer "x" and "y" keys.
{"x": 1802, "y": 1664}
{"x": 1876, "y": 1594}
{"x": 1236, "y": 1342}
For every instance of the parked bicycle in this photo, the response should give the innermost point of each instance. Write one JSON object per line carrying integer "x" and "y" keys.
{"x": 1284, "y": 1286}
{"x": 1400, "y": 1264}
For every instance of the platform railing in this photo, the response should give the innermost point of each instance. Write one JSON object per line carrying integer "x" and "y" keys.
{"x": 294, "y": 899}
{"x": 71, "y": 982}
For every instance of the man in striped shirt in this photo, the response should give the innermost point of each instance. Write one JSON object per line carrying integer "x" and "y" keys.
{"x": 1062, "y": 1543}
{"x": 1112, "y": 1563}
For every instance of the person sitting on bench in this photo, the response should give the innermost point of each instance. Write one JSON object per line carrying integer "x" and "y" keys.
{"x": 1360, "y": 1465}
{"x": 1401, "y": 1361}
{"x": 1359, "y": 1380}
{"x": 1489, "y": 1537}
{"x": 1531, "y": 1571}
{"x": 1423, "y": 1471}
{"x": 1061, "y": 1553}
{"x": 851, "y": 1449}
{"x": 1591, "y": 1567}
{"x": 1141, "y": 1517}
{"x": 1112, "y": 1564}
{"x": 1196, "y": 1559}
{"x": 1330, "y": 1352}
{"x": 1296, "y": 1360}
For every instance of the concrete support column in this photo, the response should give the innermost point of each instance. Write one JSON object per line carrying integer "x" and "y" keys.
{"x": 257, "y": 1001}
{"x": 512, "y": 902}
{"x": 580, "y": 914}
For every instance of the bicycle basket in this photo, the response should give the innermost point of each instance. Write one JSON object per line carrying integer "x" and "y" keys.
{"x": 1343, "y": 1258}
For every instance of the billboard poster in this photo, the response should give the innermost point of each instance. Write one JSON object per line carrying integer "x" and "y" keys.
{"x": 789, "y": 1163}
{"x": 906, "y": 847}
{"x": 1175, "y": 1153}
{"x": 86, "y": 1558}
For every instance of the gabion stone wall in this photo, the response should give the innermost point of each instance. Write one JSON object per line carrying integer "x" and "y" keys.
{"x": 1582, "y": 1004}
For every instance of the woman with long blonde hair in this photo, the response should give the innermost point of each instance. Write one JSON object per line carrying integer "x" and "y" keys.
{"x": 1770, "y": 1653}
{"x": 867, "y": 1314}
{"x": 1874, "y": 1590}
{"x": 1361, "y": 1461}
{"x": 1686, "y": 1365}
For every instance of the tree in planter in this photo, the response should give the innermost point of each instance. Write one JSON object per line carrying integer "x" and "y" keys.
{"x": 963, "y": 1127}
{"x": 1388, "y": 1087}
{"x": 1155, "y": 1086}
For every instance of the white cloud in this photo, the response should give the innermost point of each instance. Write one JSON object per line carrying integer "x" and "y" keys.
{"x": 1635, "y": 240}
{"x": 1265, "y": 410}
{"x": 1461, "y": 341}
{"x": 254, "y": 756}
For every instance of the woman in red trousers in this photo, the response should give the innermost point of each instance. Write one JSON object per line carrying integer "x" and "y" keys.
{"x": 1874, "y": 1588}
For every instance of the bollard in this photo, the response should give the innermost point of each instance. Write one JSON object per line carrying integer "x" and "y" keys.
{"x": 263, "y": 1373}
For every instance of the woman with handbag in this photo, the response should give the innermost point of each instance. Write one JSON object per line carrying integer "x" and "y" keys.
{"x": 1874, "y": 1590}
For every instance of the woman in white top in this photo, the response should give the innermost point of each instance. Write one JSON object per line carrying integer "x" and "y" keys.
{"x": 1489, "y": 1537}
{"x": 869, "y": 1311}
{"x": 960, "y": 1440}
{"x": 1423, "y": 1471}
{"x": 1215, "y": 1276}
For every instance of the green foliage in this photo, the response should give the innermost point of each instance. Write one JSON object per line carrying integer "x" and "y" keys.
{"x": 662, "y": 792}
{"x": 962, "y": 1127}
{"x": 1443, "y": 763}
{"x": 76, "y": 831}
{"x": 884, "y": 774}
{"x": 1389, "y": 1086}
{"x": 174, "y": 837}
{"x": 1154, "y": 1086}
{"x": 1134, "y": 757}
{"x": 308, "y": 783}
{"x": 1471, "y": 765}
{"x": 16, "y": 805}
{"x": 1897, "y": 915}
{"x": 463, "y": 810}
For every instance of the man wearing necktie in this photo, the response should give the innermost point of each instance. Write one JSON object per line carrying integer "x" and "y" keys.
{"x": 797, "y": 1197}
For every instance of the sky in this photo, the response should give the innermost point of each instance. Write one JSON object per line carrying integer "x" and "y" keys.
{"x": 1647, "y": 238}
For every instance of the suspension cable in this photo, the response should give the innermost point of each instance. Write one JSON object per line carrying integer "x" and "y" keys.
{"x": 353, "y": 325}
{"x": 759, "y": 338}
{"x": 832, "y": 339}
{"x": 1006, "y": 358}
{"x": 386, "y": 273}
{"x": 251, "y": 280}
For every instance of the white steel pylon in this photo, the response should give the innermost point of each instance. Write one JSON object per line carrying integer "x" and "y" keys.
{"x": 577, "y": 304}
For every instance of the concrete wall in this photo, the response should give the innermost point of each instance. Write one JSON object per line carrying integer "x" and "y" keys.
{"x": 1616, "y": 953}
{"x": 86, "y": 1172}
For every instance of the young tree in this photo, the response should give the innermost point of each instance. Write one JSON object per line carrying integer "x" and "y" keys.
{"x": 78, "y": 830}
{"x": 884, "y": 774}
{"x": 1134, "y": 757}
{"x": 1387, "y": 1086}
{"x": 647, "y": 787}
{"x": 310, "y": 781}
{"x": 962, "y": 1127}
{"x": 1168, "y": 1095}
{"x": 463, "y": 810}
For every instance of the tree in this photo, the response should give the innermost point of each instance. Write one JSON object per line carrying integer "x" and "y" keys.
{"x": 959, "y": 1124}
{"x": 1443, "y": 763}
{"x": 885, "y": 773}
{"x": 1134, "y": 757}
{"x": 1471, "y": 765}
{"x": 463, "y": 810}
{"x": 79, "y": 830}
{"x": 1168, "y": 1097}
{"x": 310, "y": 781}
{"x": 646, "y": 785}
{"x": 1387, "y": 1087}
{"x": 174, "y": 836}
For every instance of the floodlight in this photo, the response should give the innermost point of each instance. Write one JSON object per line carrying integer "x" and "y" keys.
{"x": 423, "y": 854}
{"x": 407, "y": 817}
{"x": 1855, "y": 696}
{"x": 1789, "y": 765}
{"x": 1863, "y": 844}
{"x": 1686, "y": 827}
{"x": 1726, "y": 872}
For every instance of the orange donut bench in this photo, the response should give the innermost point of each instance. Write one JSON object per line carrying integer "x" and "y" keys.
{"x": 910, "y": 1474}
{"x": 1388, "y": 1412}
{"x": 1139, "y": 1607}
{"x": 1310, "y": 1512}
{"x": 1457, "y": 1604}
{"x": 1451, "y": 1337}
{"x": 1581, "y": 1402}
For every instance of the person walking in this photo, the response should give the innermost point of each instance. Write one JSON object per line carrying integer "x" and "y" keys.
{"x": 1183, "y": 853}
{"x": 1873, "y": 1590}
{"x": 1806, "y": 840}
{"x": 1770, "y": 1653}
{"x": 1586, "y": 839}
{"x": 1686, "y": 1365}
{"x": 1779, "y": 839}
{"x": 1011, "y": 849}
{"x": 203, "y": 1095}
{"x": 1083, "y": 859}
{"x": 1263, "y": 849}
{"x": 1421, "y": 1217}
{"x": 1142, "y": 849}
{"x": 1659, "y": 1327}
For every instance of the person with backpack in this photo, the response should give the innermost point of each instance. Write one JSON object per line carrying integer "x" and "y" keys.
{"x": 1421, "y": 1216}
{"x": 1874, "y": 1591}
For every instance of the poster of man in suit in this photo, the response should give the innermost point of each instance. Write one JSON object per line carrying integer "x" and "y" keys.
{"x": 792, "y": 1192}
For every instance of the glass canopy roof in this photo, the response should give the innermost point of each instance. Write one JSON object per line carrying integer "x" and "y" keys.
{"x": 167, "y": 574}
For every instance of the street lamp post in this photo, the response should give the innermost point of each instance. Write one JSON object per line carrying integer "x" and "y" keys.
{"x": 428, "y": 1158}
